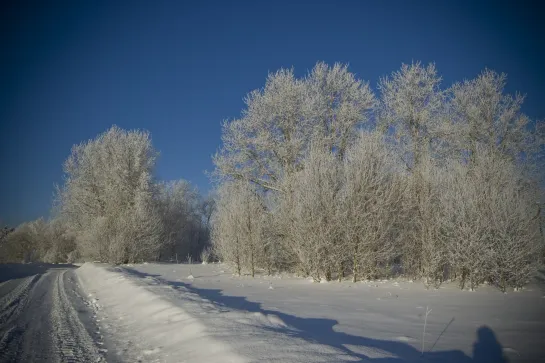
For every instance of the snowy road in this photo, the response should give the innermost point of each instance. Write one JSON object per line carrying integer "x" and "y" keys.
{"x": 202, "y": 313}
{"x": 42, "y": 317}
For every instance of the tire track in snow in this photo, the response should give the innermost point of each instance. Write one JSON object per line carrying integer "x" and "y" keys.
{"x": 11, "y": 306}
{"x": 9, "y": 344}
{"x": 72, "y": 342}
{"x": 14, "y": 302}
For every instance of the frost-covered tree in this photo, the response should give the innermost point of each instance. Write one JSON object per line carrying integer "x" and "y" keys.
{"x": 225, "y": 224}
{"x": 413, "y": 113}
{"x": 503, "y": 150}
{"x": 422, "y": 224}
{"x": 237, "y": 226}
{"x": 371, "y": 215}
{"x": 315, "y": 235}
{"x": 4, "y": 248}
{"x": 338, "y": 105}
{"x": 38, "y": 240}
{"x": 62, "y": 245}
{"x": 270, "y": 138}
{"x": 267, "y": 145}
{"x": 109, "y": 197}
{"x": 489, "y": 120}
{"x": 253, "y": 214}
{"x": 28, "y": 242}
{"x": 347, "y": 214}
{"x": 421, "y": 190}
{"x": 489, "y": 221}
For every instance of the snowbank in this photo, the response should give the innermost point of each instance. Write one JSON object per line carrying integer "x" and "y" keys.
{"x": 153, "y": 320}
{"x": 145, "y": 326}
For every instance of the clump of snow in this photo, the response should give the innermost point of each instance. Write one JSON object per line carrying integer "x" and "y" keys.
{"x": 371, "y": 352}
{"x": 405, "y": 339}
{"x": 151, "y": 351}
{"x": 510, "y": 350}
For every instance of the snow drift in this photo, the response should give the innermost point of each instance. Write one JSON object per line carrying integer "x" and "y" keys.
{"x": 145, "y": 326}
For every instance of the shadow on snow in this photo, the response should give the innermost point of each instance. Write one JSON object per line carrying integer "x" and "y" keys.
{"x": 486, "y": 349}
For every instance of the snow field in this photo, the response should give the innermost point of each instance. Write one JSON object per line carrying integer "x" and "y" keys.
{"x": 200, "y": 313}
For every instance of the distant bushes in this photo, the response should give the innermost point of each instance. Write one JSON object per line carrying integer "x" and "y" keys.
{"x": 321, "y": 177}
{"x": 38, "y": 240}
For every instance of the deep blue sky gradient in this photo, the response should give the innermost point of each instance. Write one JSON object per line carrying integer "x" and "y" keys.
{"x": 69, "y": 70}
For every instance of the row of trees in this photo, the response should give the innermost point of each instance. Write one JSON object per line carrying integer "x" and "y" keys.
{"x": 321, "y": 176}
{"x": 110, "y": 208}
{"x": 47, "y": 241}
{"x": 324, "y": 177}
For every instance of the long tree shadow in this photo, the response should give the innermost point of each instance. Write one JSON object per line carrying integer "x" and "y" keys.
{"x": 317, "y": 330}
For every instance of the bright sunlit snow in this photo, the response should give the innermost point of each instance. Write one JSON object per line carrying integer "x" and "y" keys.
{"x": 162, "y": 312}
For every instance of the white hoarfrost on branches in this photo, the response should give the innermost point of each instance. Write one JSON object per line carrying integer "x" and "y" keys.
{"x": 319, "y": 177}
{"x": 411, "y": 109}
{"x": 112, "y": 205}
{"x": 432, "y": 183}
{"x": 339, "y": 104}
{"x": 108, "y": 197}
{"x": 372, "y": 206}
{"x": 412, "y": 112}
{"x": 39, "y": 240}
{"x": 110, "y": 208}
{"x": 238, "y": 226}
{"x": 314, "y": 231}
{"x": 488, "y": 222}
{"x": 271, "y": 139}
{"x": 488, "y": 119}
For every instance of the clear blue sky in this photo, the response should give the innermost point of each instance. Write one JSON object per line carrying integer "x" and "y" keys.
{"x": 178, "y": 68}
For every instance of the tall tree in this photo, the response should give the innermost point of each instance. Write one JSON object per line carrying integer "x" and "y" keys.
{"x": 412, "y": 110}
{"x": 271, "y": 139}
{"x": 108, "y": 196}
{"x": 488, "y": 119}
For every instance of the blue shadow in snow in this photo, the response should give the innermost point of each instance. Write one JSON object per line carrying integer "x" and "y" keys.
{"x": 486, "y": 349}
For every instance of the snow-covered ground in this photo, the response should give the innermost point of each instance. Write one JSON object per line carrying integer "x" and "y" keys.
{"x": 202, "y": 313}
{"x": 42, "y": 319}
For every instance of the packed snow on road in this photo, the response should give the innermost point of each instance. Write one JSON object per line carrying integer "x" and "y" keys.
{"x": 43, "y": 317}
